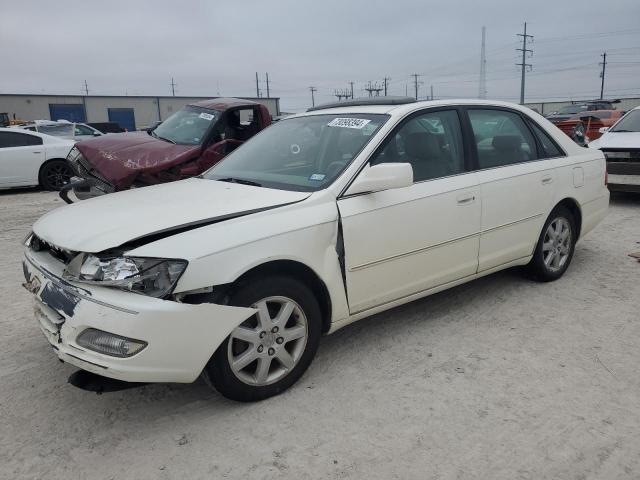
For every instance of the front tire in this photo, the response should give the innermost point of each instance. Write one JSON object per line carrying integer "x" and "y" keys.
{"x": 270, "y": 351}
{"x": 55, "y": 174}
{"x": 555, "y": 247}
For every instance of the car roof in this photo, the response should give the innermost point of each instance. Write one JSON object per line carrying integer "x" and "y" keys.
{"x": 223, "y": 103}
{"x": 410, "y": 107}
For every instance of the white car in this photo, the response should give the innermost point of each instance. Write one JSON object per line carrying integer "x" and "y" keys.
{"x": 31, "y": 158}
{"x": 621, "y": 147}
{"x": 64, "y": 129}
{"x": 322, "y": 219}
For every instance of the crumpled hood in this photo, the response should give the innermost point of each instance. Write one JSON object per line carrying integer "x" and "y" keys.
{"x": 121, "y": 157}
{"x": 617, "y": 140}
{"x": 111, "y": 220}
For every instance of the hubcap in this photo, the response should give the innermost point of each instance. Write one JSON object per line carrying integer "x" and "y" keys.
{"x": 556, "y": 245}
{"x": 267, "y": 346}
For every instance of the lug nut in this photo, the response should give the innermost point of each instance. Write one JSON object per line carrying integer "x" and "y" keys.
{"x": 260, "y": 349}
{"x": 274, "y": 330}
{"x": 271, "y": 351}
{"x": 279, "y": 340}
{"x": 262, "y": 334}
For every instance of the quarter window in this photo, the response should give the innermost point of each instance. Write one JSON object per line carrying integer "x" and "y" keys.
{"x": 551, "y": 150}
{"x": 502, "y": 138}
{"x": 431, "y": 143}
{"x": 15, "y": 139}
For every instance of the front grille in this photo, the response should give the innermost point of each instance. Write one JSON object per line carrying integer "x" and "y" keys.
{"x": 84, "y": 170}
{"x": 38, "y": 245}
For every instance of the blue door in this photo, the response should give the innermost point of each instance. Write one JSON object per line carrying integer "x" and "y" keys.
{"x": 67, "y": 111}
{"x": 123, "y": 117}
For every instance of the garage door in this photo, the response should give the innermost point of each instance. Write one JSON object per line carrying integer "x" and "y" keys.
{"x": 67, "y": 111}
{"x": 123, "y": 117}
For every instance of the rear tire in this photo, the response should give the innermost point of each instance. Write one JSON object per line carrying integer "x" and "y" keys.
{"x": 270, "y": 351}
{"x": 555, "y": 247}
{"x": 55, "y": 174}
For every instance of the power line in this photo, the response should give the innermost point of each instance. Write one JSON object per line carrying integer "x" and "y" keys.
{"x": 524, "y": 63}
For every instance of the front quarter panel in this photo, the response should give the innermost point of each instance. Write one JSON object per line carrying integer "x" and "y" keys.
{"x": 305, "y": 232}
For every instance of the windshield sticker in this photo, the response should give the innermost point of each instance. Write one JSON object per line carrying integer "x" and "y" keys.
{"x": 206, "y": 116}
{"x": 317, "y": 177}
{"x": 348, "y": 122}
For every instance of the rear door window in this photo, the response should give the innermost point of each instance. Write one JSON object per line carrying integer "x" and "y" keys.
{"x": 15, "y": 139}
{"x": 502, "y": 138}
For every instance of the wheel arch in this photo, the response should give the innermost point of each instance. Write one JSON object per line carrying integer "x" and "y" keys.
{"x": 299, "y": 271}
{"x": 573, "y": 206}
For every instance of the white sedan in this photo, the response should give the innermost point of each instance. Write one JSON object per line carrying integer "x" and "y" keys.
{"x": 32, "y": 158}
{"x": 322, "y": 219}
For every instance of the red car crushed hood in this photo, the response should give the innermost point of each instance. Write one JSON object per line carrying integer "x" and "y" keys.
{"x": 124, "y": 157}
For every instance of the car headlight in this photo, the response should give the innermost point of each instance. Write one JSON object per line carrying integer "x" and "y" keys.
{"x": 616, "y": 155}
{"x": 155, "y": 277}
{"x": 73, "y": 154}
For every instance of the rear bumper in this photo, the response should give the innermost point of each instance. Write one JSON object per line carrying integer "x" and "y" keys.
{"x": 180, "y": 338}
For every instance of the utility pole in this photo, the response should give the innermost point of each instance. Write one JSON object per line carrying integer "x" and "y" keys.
{"x": 385, "y": 80}
{"x": 482, "y": 88}
{"x": 415, "y": 82}
{"x": 431, "y": 98}
{"x": 524, "y": 63}
{"x": 173, "y": 88}
{"x": 267, "y": 75}
{"x": 604, "y": 66}
{"x": 86, "y": 88}
{"x": 351, "y": 83}
{"x": 313, "y": 100}
{"x": 257, "y": 86}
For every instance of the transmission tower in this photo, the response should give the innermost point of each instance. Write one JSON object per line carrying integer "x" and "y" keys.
{"x": 482, "y": 90}
{"x": 373, "y": 88}
{"x": 524, "y": 65}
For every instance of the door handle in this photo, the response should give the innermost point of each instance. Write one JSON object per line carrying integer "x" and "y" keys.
{"x": 547, "y": 179}
{"x": 466, "y": 199}
{"x": 35, "y": 153}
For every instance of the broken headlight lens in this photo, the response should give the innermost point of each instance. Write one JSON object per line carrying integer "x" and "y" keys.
{"x": 155, "y": 277}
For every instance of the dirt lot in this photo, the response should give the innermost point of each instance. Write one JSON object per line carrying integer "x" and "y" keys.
{"x": 501, "y": 378}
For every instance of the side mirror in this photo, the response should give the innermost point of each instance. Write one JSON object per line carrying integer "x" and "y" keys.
{"x": 97, "y": 134}
{"x": 384, "y": 176}
{"x": 603, "y": 129}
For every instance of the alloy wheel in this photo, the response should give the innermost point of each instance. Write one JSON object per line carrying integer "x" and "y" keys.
{"x": 58, "y": 175}
{"x": 556, "y": 246}
{"x": 266, "y": 347}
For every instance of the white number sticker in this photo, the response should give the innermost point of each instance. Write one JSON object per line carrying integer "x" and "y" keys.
{"x": 206, "y": 116}
{"x": 348, "y": 122}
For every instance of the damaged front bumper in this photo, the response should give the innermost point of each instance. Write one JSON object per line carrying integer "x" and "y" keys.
{"x": 180, "y": 338}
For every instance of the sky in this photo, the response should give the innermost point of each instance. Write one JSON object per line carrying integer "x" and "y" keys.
{"x": 214, "y": 48}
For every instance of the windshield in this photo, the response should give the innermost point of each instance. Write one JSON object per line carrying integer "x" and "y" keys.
{"x": 301, "y": 154}
{"x": 60, "y": 130}
{"x": 188, "y": 126}
{"x": 629, "y": 123}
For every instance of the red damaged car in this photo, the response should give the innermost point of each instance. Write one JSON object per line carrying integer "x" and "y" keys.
{"x": 186, "y": 144}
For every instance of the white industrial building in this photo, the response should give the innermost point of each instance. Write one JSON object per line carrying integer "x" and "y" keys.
{"x": 131, "y": 112}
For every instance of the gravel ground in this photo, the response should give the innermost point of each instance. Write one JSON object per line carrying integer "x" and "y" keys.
{"x": 502, "y": 378}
